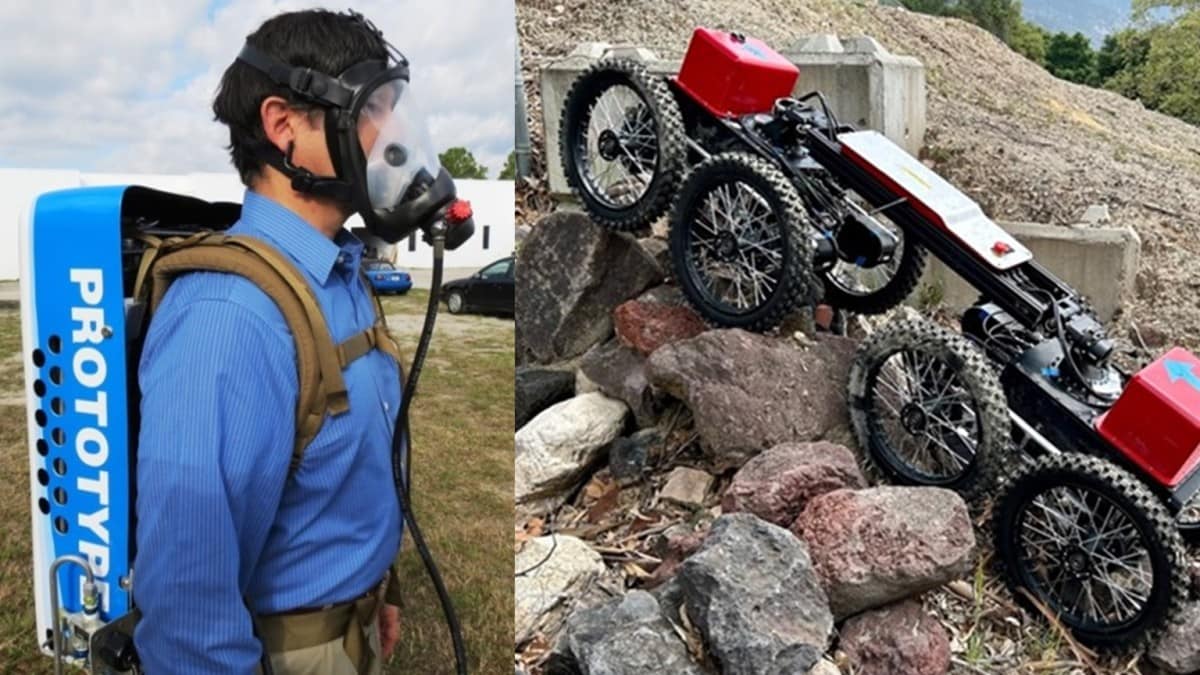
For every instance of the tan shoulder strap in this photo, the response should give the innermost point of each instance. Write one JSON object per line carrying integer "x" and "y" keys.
{"x": 382, "y": 338}
{"x": 322, "y": 389}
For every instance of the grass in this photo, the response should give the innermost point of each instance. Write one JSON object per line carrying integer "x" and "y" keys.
{"x": 462, "y": 428}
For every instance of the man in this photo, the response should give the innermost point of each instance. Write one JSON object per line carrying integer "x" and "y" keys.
{"x": 227, "y": 538}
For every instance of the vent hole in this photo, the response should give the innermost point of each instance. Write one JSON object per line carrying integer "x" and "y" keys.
{"x": 39, "y": 358}
{"x": 43, "y": 477}
{"x": 55, "y": 375}
{"x": 60, "y": 496}
{"x": 60, "y": 466}
{"x": 60, "y": 524}
{"x": 58, "y": 436}
{"x": 55, "y": 344}
{"x": 39, "y": 388}
{"x": 56, "y": 405}
{"x": 44, "y": 506}
{"x": 39, "y": 416}
{"x": 43, "y": 447}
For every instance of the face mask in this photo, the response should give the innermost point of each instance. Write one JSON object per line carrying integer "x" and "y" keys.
{"x": 386, "y": 168}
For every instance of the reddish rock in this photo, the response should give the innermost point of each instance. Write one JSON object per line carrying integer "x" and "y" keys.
{"x": 777, "y": 484}
{"x": 645, "y": 326}
{"x": 875, "y": 546}
{"x": 749, "y": 392}
{"x": 899, "y": 638}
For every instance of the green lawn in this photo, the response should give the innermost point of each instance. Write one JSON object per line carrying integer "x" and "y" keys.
{"x": 462, "y": 423}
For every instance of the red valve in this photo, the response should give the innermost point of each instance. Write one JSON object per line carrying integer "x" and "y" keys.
{"x": 458, "y": 212}
{"x": 1001, "y": 248}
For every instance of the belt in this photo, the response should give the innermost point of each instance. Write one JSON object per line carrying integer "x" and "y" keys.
{"x": 310, "y": 627}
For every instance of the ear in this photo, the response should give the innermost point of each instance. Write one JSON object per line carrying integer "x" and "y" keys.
{"x": 278, "y": 121}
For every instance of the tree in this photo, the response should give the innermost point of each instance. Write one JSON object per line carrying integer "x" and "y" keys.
{"x": 1141, "y": 8}
{"x": 1071, "y": 57}
{"x": 1121, "y": 59}
{"x": 1169, "y": 81}
{"x": 998, "y": 17}
{"x": 460, "y": 163}
{"x": 1030, "y": 40}
{"x": 509, "y": 172}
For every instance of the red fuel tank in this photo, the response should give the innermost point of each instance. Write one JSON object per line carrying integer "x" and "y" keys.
{"x": 730, "y": 74}
{"x": 1156, "y": 421}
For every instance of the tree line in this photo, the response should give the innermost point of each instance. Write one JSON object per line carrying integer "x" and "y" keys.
{"x": 1155, "y": 63}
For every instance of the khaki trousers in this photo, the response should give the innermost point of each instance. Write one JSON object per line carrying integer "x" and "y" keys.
{"x": 326, "y": 659}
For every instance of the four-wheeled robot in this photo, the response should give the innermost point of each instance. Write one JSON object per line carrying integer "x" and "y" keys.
{"x": 774, "y": 204}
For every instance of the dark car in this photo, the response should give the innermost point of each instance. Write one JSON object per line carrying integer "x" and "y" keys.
{"x": 490, "y": 290}
{"x": 385, "y": 278}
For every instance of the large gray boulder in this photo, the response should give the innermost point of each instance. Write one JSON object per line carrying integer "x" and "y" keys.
{"x": 535, "y": 389}
{"x": 749, "y": 392}
{"x": 875, "y": 546}
{"x": 1178, "y": 648}
{"x": 626, "y": 636}
{"x": 752, "y": 591}
{"x": 777, "y": 484}
{"x": 897, "y": 638}
{"x": 552, "y": 573}
{"x": 555, "y": 449}
{"x": 620, "y": 372}
{"x": 573, "y": 273}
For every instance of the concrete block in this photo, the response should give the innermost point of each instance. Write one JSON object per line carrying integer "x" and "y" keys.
{"x": 1101, "y": 263}
{"x": 866, "y": 86}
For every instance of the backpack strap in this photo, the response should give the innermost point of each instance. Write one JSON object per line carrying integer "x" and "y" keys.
{"x": 322, "y": 389}
{"x": 383, "y": 339}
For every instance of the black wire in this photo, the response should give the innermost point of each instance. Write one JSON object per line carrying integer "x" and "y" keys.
{"x": 401, "y": 474}
{"x": 543, "y": 561}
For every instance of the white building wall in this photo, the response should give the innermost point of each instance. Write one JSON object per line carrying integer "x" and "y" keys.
{"x": 492, "y": 201}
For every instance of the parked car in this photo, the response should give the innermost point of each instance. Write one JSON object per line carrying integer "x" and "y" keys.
{"x": 385, "y": 278}
{"x": 490, "y": 290}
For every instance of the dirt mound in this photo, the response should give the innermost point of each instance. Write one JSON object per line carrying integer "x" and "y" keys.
{"x": 1023, "y": 143}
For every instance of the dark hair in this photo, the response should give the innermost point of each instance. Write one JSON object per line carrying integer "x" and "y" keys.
{"x": 319, "y": 39}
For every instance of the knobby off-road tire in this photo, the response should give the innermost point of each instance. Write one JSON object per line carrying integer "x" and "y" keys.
{"x": 927, "y": 408}
{"x": 737, "y": 218}
{"x": 645, "y": 132}
{"x": 1142, "y": 540}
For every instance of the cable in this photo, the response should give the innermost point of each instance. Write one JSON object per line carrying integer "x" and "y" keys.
{"x": 543, "y": 561}
{"x": 400, "y": 458}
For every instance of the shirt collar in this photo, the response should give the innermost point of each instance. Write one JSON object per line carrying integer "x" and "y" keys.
{"x": 315, "y": 253}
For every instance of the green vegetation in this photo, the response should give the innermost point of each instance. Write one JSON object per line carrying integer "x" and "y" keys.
{"x": 1155, "y": 63}
{"x": 460, "y": 163}
{"x": 509, "y": 172}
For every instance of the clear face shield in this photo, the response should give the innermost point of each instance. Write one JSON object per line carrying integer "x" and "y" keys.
{"x": 395, "y": 140}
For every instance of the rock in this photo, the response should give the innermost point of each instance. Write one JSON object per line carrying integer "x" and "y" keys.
{"x": 673, "y": 546}
{"x": 627, "y": 456}
{"x": 644, "y": 327}
{"x": 777, "y": 484}
{"x": 535, "y": 389}
{"x": 620, "y": 373}
{"x": 546, "y": 592}
{"x": 664, "y": 294}
{"x": 749, "y": 392}
{"x": 659, "y": 250}
{"x": 521, "y": 233}
{"x": 752, "y": 591}
{"x": 584, "y": 384}
{"x": 824, "y": 667}
{"x": 898, "y": 638}
{"x": 626, "y": 636}
{"x": 1178, "y": 648}
{"x": 1096, "y": 214}
{"x": 878, "y": 545}
{"x": 687, "y": 487}
{"x": 557, "y": 446}
{"x": 573, "y": 274}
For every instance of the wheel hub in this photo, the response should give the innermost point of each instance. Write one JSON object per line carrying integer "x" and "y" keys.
{"x": 913, "y": 418}
{"x": 609, "y": 145}
{"x": 727, "y": 247}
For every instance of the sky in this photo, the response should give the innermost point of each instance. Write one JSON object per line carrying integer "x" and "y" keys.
{"x": 126, "y": 85}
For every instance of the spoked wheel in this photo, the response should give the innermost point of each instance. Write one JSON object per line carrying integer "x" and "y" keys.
{"x": 622, "y": 144}
{"x": 740, "y": 243}
{"x": 928, "y": 410}
{"x": 1095, "y": 546}
{"x": 852, "y": 284}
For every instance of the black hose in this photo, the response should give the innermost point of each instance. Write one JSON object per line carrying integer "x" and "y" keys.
{"x": 400, "y": 463}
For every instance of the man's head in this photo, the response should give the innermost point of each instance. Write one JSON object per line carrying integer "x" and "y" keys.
{"x": 261, "y": 113}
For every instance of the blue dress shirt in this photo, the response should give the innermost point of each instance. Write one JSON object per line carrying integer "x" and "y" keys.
{"x": 219, "y": 522}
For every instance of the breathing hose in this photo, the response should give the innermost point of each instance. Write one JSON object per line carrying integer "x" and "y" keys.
{"x": 401, "y": 454}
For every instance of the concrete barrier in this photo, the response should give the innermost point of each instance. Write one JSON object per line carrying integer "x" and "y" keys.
{"x": 865, "y": 85}
{"x": 1102, "y": 263}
